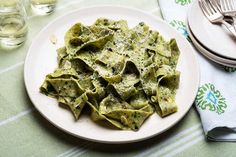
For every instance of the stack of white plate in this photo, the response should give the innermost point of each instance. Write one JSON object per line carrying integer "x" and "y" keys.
{"x": 214, "y": 41}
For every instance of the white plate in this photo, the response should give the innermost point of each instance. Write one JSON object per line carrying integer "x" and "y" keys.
{"x": 41, "y": 60}
{"x": 210, "y": 55}
{"x": 215, "y": 37}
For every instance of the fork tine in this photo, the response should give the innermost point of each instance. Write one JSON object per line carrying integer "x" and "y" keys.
{"x": 208, "y": 6}
{"x": 218, "y": 5}
{"x": 228, "y": 4}
{"x": 231, "y": 4}
{"x": 204, "y": 9}
{"x": 224, "y": 4}
{"x": 214, "y": 5}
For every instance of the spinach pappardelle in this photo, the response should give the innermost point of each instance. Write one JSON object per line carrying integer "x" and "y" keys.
{"x": 123, "y": 75}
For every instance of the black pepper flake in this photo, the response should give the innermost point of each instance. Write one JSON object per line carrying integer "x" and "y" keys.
{"x": 141, "y": 23}
{"x": 113, "y": 70}
{"x": 106, "y": 20}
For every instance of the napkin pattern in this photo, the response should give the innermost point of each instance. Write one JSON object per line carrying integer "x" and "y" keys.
{"x": 209, "y": 98}
{"x": 215, "y": 100}
{"x": 183, "y": 2}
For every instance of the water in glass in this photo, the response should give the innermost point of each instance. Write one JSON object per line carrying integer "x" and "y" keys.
{"x": 13, "y": 28}
{"x": 43, "y": 6}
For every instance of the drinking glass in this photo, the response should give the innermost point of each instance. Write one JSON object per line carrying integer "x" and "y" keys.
{"x": 43, "y": 6}
{"x": 13, "y": 27}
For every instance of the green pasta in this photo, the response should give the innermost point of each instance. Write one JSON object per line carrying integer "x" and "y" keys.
{"x": 122, "y": 75}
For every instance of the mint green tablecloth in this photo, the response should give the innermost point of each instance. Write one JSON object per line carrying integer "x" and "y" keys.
{"x": 24, "y": 132}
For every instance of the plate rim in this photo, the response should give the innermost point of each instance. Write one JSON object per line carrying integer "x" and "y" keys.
{"x": 190, "y": 10}
{"x": 207, "y": 53}
{"x": 197, "y": 66}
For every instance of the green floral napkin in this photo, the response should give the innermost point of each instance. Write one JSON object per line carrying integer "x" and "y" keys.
{"x": 215, "y": 101}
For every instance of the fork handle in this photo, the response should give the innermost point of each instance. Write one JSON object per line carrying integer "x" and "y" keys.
{"x": 230, "y": 27}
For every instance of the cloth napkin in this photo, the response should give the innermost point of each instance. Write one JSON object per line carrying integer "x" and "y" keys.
{"x": 216, "y": 97}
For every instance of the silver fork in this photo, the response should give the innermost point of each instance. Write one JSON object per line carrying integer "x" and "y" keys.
{"x": 214, "y": 16}
{"x": 228, "y": 8}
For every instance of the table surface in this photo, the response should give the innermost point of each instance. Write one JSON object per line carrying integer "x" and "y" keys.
{"x": 24, "y": 132}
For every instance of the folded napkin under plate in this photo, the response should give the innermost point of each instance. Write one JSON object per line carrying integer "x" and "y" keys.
{"x": 215, "y": 101}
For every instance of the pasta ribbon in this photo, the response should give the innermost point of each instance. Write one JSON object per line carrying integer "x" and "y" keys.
{"x": 122, "y": 75}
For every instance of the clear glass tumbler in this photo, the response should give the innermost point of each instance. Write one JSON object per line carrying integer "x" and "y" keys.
{"x": 43, "y": 6}
{"x": 13, "y": 27}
